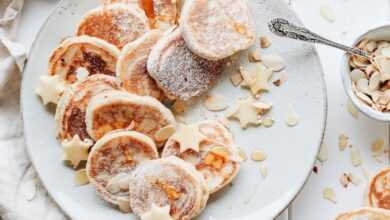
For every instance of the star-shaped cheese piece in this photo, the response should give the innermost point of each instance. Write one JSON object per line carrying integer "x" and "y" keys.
{"x": 157, "y": 213}
{"x": 256, "y": 77}
{"x": 247, "y": 112}
{"x": 189, "y": 137}
{"x": 76, "y": 150}
{"x": 50, "y": 88}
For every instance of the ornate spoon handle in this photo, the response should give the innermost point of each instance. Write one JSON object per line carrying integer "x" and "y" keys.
{"x": 284, "y": 28}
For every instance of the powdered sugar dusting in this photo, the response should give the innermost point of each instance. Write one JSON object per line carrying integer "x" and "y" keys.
{"x": 180, "y": 72}
{"x": 145, "y": 188}
{"x": 118, "y": 24}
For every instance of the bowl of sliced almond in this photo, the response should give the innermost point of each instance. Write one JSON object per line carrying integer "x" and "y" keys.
{"x": 367, "y": 81}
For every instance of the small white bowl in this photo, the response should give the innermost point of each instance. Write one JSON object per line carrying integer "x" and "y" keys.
{"x": 379, "y": 32}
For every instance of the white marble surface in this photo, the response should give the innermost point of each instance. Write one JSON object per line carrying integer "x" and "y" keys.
{"x": 352, "y": 17}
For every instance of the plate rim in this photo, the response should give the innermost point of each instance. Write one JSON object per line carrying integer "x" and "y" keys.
{"x": 63, "y": 208}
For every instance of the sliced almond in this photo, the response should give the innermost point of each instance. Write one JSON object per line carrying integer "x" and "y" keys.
{"x": 343, "y": 142}
{"x": 263, "y": 171}
{"x": 267, "y": 122}
{"x": 292, "y": 117}
{"x": 355, "y": 157}
{"x": 81, "y": 177}
{"x": 377, "y": 147}
{"x": 215, "y": 103}
{"x": 236, "y": 79}
{"x": 329, "y": 194}
{"x": 265, "y": 42}
{"x": 273, "y": 61}
{"x": 258, "y": 155}
{"x": 165, "y": 132}
{"x": 327, "y": 13}
{"x": 362, "y": 86}
{"x": 254, "y": 56}
{"x": 371, "y": 46}
{"x": 242, "y": 154}
{"x": 357, "y": 74}
{"x": 345, "y": 179}
{"x": 374, "y": 81}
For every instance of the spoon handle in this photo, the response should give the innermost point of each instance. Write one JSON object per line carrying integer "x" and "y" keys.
{"x": 284, "y": 28}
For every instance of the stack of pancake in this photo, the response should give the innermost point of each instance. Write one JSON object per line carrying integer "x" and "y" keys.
{"x": 128, "y": 59}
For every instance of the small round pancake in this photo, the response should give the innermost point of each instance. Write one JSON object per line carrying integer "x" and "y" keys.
{"x": 216, "y": 159}
{"x": 113, "y": 158}
{"x": 216, "y": 29}
{"x": 168, "y": 181}
{"x": 379, "y": 190}
{"x": 365, "y": 213}
{"x": 70, "y": 112}
{"x": 89, "y": 53}
{"x": 179, "y": 72}
{"x": 113, "y": 110}
{"x": 161, "y": 13}
{"x": 117, "y": 24}
{"x": 131, "y": 66}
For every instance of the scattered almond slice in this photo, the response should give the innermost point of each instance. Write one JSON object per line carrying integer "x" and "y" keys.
{"x": 292, "y": 117}
{"x": 215, "y": 103}
{"x": 247, "y": 112}
{"x": 352, "y": 109}
{"x": 236, "y": 79}
{"x": 345, "y": 179}
{"x": 343, "y": 142}
{"x": 81, "y": 178}
{"x": 258, "y": 155}
{"x": 274, "y": 62}
{"x": 267, "y": 122}
{"x": 377, "y": 147}
{"x": 254, "y": 56}
{"x": 242, "y": 154}
{"x": 327, "y": 13}
{"x": 323, "y": 154}
{"x": 355, "y": 157}
{"x": 355, "y": 180}
{"x": 263, "y": 170}
{"x": 256, "y": 77}
{"x": 265, "y": 42}
{"x": 165, "y": 133}
{"x": 329, "y": 194}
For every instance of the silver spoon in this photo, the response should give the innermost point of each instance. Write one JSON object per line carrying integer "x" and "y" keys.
{"x": 284, "y": 28}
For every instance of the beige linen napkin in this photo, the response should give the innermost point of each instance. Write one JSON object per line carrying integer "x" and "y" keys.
{"x": 22, "y": 197}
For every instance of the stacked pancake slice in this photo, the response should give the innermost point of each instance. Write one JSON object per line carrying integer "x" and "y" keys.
{"x": 113, "y": 83}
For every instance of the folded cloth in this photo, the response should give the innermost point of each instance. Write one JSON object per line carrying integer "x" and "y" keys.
{"x": 22, "y": 197}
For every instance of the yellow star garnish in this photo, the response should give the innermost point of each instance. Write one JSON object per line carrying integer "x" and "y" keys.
{"x": 157, "y": 213}
{"x": 76, "y": 150}
{"x": 256, "y": 77}
{"x": 189, "y": 137}
{"x": 247, "y": 112}
{"x": 50, "y": 88}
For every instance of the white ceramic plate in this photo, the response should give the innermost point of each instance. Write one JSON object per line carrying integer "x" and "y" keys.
{"x": 291, "y": 151}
